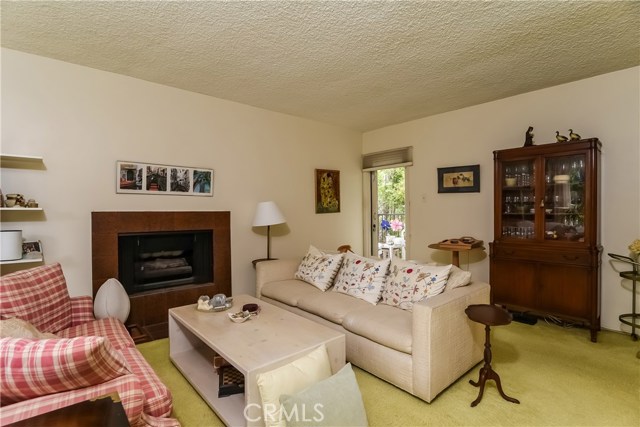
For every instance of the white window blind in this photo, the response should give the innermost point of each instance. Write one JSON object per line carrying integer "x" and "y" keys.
{"x": 398, "y": 157}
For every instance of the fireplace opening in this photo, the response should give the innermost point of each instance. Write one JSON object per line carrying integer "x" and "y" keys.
{"x": 159, "y": 260}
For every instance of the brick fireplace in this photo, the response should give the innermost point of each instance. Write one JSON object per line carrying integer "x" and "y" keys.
{"x": 149, "y": 308}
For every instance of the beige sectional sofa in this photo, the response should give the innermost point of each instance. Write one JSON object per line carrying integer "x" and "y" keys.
{"x": 421, "y": 351}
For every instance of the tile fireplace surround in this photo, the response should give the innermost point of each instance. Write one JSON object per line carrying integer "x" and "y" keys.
{"x": 149, "y": 309}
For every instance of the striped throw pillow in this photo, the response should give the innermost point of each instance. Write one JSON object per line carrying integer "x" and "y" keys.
{"x": 31, "y": 368}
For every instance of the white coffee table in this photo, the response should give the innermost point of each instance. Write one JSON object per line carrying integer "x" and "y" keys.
{"x": 271, "y": 339}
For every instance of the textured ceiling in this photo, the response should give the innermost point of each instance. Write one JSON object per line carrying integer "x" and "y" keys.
{"x": 361, "y": 65}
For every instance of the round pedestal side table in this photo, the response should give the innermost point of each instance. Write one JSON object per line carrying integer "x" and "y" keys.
{"x": 489, "y": 315}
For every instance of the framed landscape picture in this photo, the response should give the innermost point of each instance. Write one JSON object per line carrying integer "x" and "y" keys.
{"x": 146, "y": 178}
{"x": 459, "y": 179}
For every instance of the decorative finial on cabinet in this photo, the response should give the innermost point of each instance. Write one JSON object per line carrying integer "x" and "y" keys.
{"x": 574, "y": 136}
{"x": 528, "y": 138}
{"x": 561, "y": 138}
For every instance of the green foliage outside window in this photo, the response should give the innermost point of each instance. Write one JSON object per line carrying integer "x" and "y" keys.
{"x": 391, "y": 192}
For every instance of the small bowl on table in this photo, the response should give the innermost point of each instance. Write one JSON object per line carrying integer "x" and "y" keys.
{"x": 239, "y": 317}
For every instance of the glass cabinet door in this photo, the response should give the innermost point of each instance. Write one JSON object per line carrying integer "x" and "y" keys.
{"x": 564, "y": 197}
{"x": 518, "y": 199}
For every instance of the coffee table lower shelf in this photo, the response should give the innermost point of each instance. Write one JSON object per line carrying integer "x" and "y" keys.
{"x": 196, "y": 364}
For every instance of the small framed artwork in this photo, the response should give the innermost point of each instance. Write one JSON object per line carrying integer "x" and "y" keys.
{"x": 327, "y": 191}
{"x": 145, "y": 178}
{"x": 31, "y": 247}
{"x": 459, "y": 179}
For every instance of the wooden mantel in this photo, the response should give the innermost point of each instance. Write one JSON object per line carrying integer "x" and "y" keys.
{"x": 149, "y": 310}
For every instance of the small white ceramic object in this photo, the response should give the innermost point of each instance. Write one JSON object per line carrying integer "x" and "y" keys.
{"x": 240, "y": 316}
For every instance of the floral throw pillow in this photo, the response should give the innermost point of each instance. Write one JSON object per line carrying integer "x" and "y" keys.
{"x": 361, "y": 277}
{"x": 409, "y": 283}
{"x": 318, "y": 268}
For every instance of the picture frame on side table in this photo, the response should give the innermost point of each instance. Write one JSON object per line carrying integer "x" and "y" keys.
{"x": 327, "y": 191}
{"x": 459, "y": 179}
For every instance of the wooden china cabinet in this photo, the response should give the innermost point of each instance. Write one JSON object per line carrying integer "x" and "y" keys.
{"x": 546, "y": 253}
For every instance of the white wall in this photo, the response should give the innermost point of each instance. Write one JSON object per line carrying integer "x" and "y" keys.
{"x": 82, "y": 121}
{"x": 606, "y": 107}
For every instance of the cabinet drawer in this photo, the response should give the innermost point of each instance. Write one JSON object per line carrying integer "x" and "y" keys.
{"x": 571, "y": 257}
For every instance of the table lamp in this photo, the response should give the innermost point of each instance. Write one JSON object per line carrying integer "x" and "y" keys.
{"x": 268, "y": 214}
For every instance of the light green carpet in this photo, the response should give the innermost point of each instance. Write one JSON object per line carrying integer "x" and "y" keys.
{"x": 560, "y": 377}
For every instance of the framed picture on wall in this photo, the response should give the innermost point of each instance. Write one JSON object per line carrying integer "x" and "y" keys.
{"x": 145, "y": 178}
{"x": 327, "y": 191}
{"x": 459, "y": 179}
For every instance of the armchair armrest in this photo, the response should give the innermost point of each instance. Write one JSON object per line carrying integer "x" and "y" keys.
{"x": 81, "y": 310}
{"x": 446, "y": 343}
{"x": 273, "y": 270}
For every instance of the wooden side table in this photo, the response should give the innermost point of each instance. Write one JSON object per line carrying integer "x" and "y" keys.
{"x": 489, "y": 315}
{"x": 455, "y": 249}
{"x": 102, "y": 412}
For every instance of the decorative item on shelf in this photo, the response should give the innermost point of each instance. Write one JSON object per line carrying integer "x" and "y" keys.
{"x": 10, "y": 245}
{"x": 32, "y": 250}
{"x": 31, "y": 203}
{"x": 1, "y": 200}
{"x": 15, "y": 200}
{"x": 268, "y": 214}
{"x": 561, "y": 138}
{"x": 574, "y": 136}
{"x": 528, "y": 137}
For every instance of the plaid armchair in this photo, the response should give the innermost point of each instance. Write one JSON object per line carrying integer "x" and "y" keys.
{"x": 91, "y": 358}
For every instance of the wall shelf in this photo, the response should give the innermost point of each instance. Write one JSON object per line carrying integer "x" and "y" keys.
{"x": 20, "y": 208}
{"x": 24, "y": 260}
{"x": 20, "y": 158}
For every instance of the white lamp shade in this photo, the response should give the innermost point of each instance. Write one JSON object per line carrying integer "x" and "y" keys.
{"x": 267, "y": 213}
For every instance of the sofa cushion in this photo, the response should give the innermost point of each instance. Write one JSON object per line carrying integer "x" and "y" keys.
{"x": 409, "y": 282}
{"x": 319, "y": 268}
{"x": 288, "y": 379}
{"x": 110, "y": 328}
{"x": 158, "y": 400}
{"x": 332, "y": 306}
{"x": 383, "y": 324}
{"x": 335, "y": 401}
{"x": 457, "y": 278}
{"x": 289, "y": 291}
{"x": 18, "y": 328}
{"x": 361, "y": 277}
{"x": 32, "y": 368}
{"x": 38, "y": 295}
